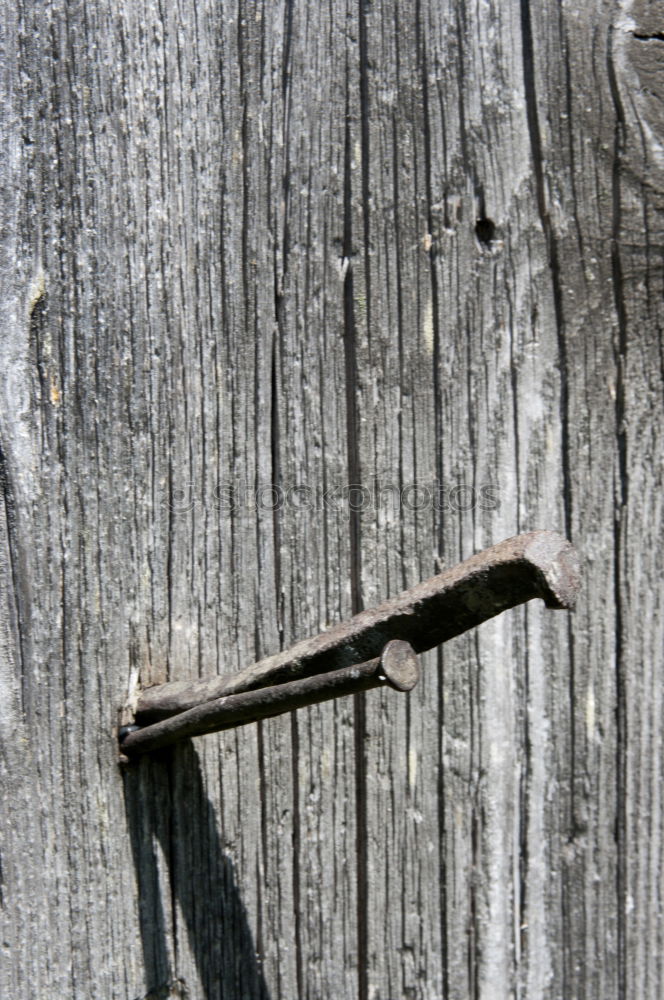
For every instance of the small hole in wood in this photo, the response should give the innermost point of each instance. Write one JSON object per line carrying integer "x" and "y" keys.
{"x": 485, "y": 231}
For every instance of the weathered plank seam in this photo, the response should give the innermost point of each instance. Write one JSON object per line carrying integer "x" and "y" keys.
{"x": 619, "y": 526}
{"x": 532, "y": 117}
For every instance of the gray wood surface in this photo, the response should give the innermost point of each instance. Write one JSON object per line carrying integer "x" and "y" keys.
{"x": 282, "y": 249}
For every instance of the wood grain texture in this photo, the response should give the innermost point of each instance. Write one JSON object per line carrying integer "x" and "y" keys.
{"x": 301, "y": 302}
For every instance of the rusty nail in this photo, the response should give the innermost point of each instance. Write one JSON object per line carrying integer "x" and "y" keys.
{"x": 536, "y": 564}
{"x": 397, "y": 667}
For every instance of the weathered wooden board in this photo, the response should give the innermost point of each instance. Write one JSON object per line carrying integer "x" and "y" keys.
{"x": 299, "y": 303}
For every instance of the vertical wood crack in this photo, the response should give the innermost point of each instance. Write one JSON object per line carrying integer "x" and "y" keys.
{"x": 619, "y": 523}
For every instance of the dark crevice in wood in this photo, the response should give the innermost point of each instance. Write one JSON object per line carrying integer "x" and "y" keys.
{"x": 461, "y": 32}
{"x": 655, "y": 36}
{"x": 260, "y": 911}
{"x": 514, "y": 386}
{"x": 473, "y": 435}
{"x": 396, "y": 194}
{"x": 366, "y": 155}
{"x": 38, "y": 327}
{"x": 473, "y": 957}
{"x": 276, "y": 477}
{"x": 439, "y": 467}
{"x": 572, "y": 156}
{"x": 433, "y": 273}
{"x": 265, "y": 826}
{"x": 620, "y": 541}
{"x": 351, "y": 378}
{"x": 354, "y": 479}
{"x": 524, "y": 813}
{"x": 286, "y": 65}
{"x": 169, "y": 552}
{"x": 477, "y": 824}
{"x": 400, "y": 351}
{"x": 297, "y": 847}
{"x": 17, "y": 576}
{"x": 532, "y": 117}
{"x": 441, "y": 805}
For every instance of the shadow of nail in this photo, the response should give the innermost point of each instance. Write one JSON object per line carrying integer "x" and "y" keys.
{"x": 166, "y": 805}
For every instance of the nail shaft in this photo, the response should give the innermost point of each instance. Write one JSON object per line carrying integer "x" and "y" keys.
{"x": 537, "y": 564}
{"x": 397, "y": 667}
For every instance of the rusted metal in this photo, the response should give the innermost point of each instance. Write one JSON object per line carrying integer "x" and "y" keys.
{"x": 397, "y": 667}
{"x": 537, "y": 564}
